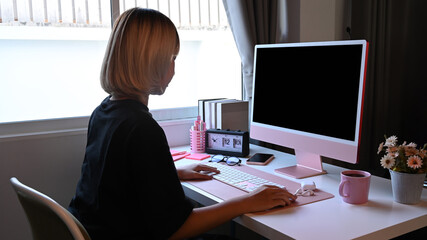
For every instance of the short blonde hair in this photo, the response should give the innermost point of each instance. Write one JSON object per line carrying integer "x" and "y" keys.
{"x": 139, "y": 53}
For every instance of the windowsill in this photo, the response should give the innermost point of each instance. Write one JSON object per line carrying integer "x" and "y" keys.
{"x": 43, "y": 128}
{"x": 78, "y": 125}
{"x": 54, "y": 33}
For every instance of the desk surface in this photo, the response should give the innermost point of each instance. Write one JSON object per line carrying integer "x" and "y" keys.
{"x": 380, "y": 218}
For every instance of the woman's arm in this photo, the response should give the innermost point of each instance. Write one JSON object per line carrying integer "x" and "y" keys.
{"x": 204, "y": 219}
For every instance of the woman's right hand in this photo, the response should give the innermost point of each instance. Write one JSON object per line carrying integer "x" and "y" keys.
{"x": 205, "y": 218}
{"x": 267, "y": 197}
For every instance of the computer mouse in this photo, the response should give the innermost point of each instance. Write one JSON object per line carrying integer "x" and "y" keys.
{"x": 307, "y": 189}
{"x": 308, "y": 185}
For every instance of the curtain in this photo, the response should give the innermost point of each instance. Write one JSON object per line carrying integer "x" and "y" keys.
{"x": 254, "y": 22}
{"x": 396, "y": 81}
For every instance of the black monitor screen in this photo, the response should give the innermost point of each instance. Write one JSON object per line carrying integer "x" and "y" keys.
{"x": 312, "y": 89}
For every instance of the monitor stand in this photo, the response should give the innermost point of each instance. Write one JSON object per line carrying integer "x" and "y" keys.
{"x": 308, "y": 165}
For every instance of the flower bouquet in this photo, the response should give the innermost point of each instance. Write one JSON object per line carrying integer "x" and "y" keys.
{"x": 404, "y": 158}
{"x": 407, "y": 166}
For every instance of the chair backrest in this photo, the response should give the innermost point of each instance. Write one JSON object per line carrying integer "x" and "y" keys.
{"x": 47, "y": 218}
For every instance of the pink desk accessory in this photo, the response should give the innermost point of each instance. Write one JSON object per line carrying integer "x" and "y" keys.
{"x": 176, "y": 155}
{"x": 198, "y": 136}
{"x": 175, "y": 152}
{"x": 198, "y": 156}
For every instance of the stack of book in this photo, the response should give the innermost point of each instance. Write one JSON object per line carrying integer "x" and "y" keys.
{"x": 225, "y": 113}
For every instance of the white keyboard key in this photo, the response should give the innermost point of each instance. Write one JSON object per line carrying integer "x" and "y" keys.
{"x": 238, "y": 179}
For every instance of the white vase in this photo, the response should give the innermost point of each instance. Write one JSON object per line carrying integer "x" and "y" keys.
{"x": 407, "y": 187}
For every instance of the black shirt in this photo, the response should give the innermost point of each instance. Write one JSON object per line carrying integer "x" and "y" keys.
{"x": 129, "y": 187}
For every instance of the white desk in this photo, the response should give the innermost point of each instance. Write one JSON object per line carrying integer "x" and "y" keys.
{"x": 380, "y": 218}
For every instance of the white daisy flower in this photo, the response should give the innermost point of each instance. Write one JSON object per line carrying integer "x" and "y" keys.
{"x": 387, "y": 161}
{"x": 412, "y": 144}
{"x": 391, "y": 141}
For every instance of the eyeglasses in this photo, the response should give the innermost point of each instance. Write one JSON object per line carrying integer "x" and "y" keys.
{"x": 229, "y": 160}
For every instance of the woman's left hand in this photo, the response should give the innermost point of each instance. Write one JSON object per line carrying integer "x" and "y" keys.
{"x": 196, "y": 172}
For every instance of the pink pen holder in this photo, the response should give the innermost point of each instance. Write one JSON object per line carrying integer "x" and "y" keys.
{"x": 197, "y": 141}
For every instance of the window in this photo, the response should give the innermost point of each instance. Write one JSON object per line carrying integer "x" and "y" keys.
{"x": 208, "y": 65}
{"x": 52, "y": 52}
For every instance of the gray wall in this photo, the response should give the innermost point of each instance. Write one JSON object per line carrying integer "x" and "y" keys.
{"x": 50, "y": 164}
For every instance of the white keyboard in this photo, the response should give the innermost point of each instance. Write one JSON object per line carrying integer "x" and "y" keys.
{"x": 238, "y": 179}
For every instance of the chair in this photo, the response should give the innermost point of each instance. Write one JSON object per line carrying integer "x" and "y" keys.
{"x": 47, "y": 218}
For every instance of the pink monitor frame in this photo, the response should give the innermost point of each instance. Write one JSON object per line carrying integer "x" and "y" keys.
{"x": 310, "y": 147}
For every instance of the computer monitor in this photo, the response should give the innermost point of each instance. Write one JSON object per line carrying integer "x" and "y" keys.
{"x": 309, "y": 97}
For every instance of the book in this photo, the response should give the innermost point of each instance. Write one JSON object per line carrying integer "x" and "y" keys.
{"x": 211, "y": 112}
{"x": 223, "y": 113}
{"x": 233, "y": 115}
{"x": 201, "y": 106}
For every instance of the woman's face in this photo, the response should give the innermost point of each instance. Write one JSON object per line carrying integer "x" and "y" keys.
{"x": 169, "y": 75}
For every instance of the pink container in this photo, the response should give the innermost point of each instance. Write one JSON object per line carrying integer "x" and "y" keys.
{"x": 197, "y": 141}
{"x": 354, "y": 186}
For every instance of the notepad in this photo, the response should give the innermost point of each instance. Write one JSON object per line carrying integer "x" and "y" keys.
{"x": 198, "y": 156}
{"x": 177, "y": 155}
{"x": 175, "y": 152}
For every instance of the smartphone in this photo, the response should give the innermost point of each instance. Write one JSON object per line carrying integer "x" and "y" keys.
{"x": 260, "y": 159}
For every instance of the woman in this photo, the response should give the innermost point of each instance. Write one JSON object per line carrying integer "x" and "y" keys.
{"x": 129, "y": 186}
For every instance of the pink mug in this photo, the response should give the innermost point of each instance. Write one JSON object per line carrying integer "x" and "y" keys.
{"x": 354, "y": 186}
